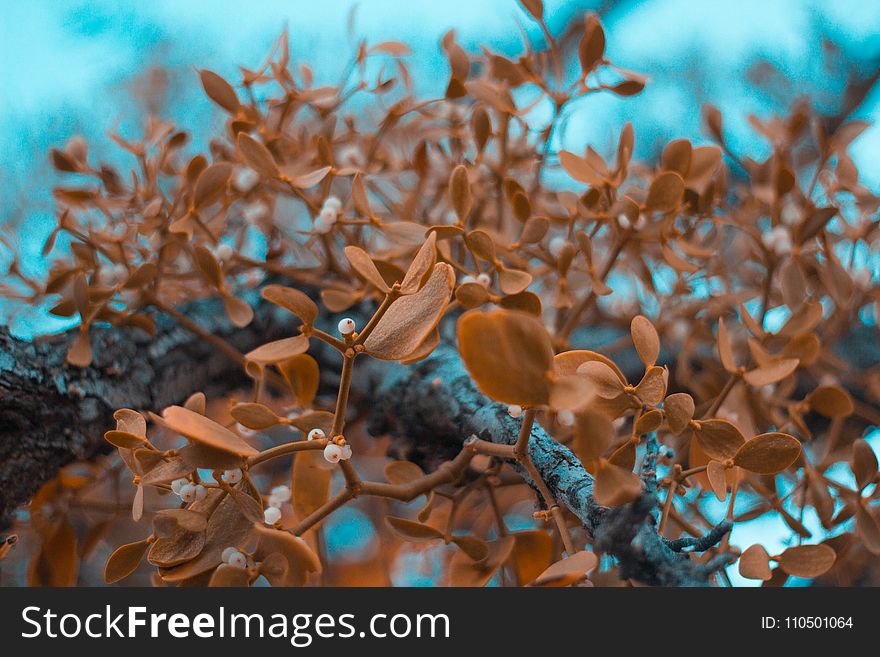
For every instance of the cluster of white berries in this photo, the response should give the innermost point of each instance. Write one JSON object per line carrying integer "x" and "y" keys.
{"x": 234, "y": 557}
{"x": 279, "y": 496}
{"x": 777, "y": 240}
{"x": 232, "y": 476}
{"x": 334, "y": 453}
{"x": 625, "y": 222}
{"x": 188, "y": 492}
{"x": 328, "y": 215}
{"x": 483, "y": 279}
{"x": 346, "y": 326}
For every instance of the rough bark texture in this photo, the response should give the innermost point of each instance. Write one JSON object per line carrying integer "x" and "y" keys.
{"x": 52, "y": 413}
{"x": 433, "y": 406}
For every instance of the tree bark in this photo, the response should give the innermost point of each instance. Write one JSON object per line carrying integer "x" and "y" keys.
{"x": 52, "y": 413}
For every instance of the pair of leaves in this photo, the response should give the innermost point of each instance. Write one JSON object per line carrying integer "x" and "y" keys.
{"x": 211, "y": 444}
{"x": 800, "y": 561}
{"x": 510, "y": 356}
{"x": 767, "y": 453}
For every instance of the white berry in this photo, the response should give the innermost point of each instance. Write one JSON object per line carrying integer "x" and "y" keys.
{"x": 271, "y": 515}
{"x": 324, "y": 223}
{"x": 201, "y": 492}
{"x": 467, "y": 278}
{"x": 237, "y": 560}
{"x": 333, "y": 203}
{"x": 346, "y": 452}
{"x": 234, "y": 557}
{"x": 333, "y": 453}
{"x": 565, "y": 418}
{"x": 224, "y": 252}
{"x": 281, "y": 492}
{"x": 177, "y": 484}
{"x": 484, "y": 279}
{"x": 232, "y": 476}
{"x": 245, "y": 179}
{"x": 514, "y": 410}
{"x": 316, "y": 434}
{"x": 187, "y": 493}
{"x": 346, "y": 326}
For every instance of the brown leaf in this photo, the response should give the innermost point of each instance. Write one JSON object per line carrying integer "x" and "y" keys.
{"x": 258, "y": 157}
{"x": 412, "y": 531}
{"x": 460, "y": 192}
{"x": 509, "y": 355}
{"x": 464, "y": 571}
{"x": 773, "y": 371}
{"x": 410, "y": 319}
{"x": 124, "y": 440}
{"x": 363, "y": 264}
{"x": 569, "y": 570}
{"x": 238, "y": 310}
{"x": 768, "y": 453}
{"x": 665, "y": 192}
{"x": 279, "y": 350}
{"x": 603, "y": 378}
{"x": 293, "y": 301}
{"x": 863, "y": 463}
{"x": 807, "y": 560}
{"x": 533, "y": 552}
{"x": 593, "y": 433}
{"x": 311, "y": 483}
{"x": 302, "y": 376}
{"x": 514, "y": 281}
{"x": 254, "y": 416}
{"x": 652, "y": 388}
{"x": 754, "y": 563}
{"x": 592, "y": 45}
{"x": 725, "y": 348}
{"x": 717, "y": 475}
{"x": 720, "y": 439}
{"x": 645, "y": 339}
{"x": 420, "y": 266}
{"x": 679, "y": 408}
{"x": 220, "y": 91}
{"x": 831, "y": 401}
{"x": 125, "y": 560}
{"x": 205, "y": 431}
{"x": 301, "y": 559}
{"x": 476, "y": 548}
